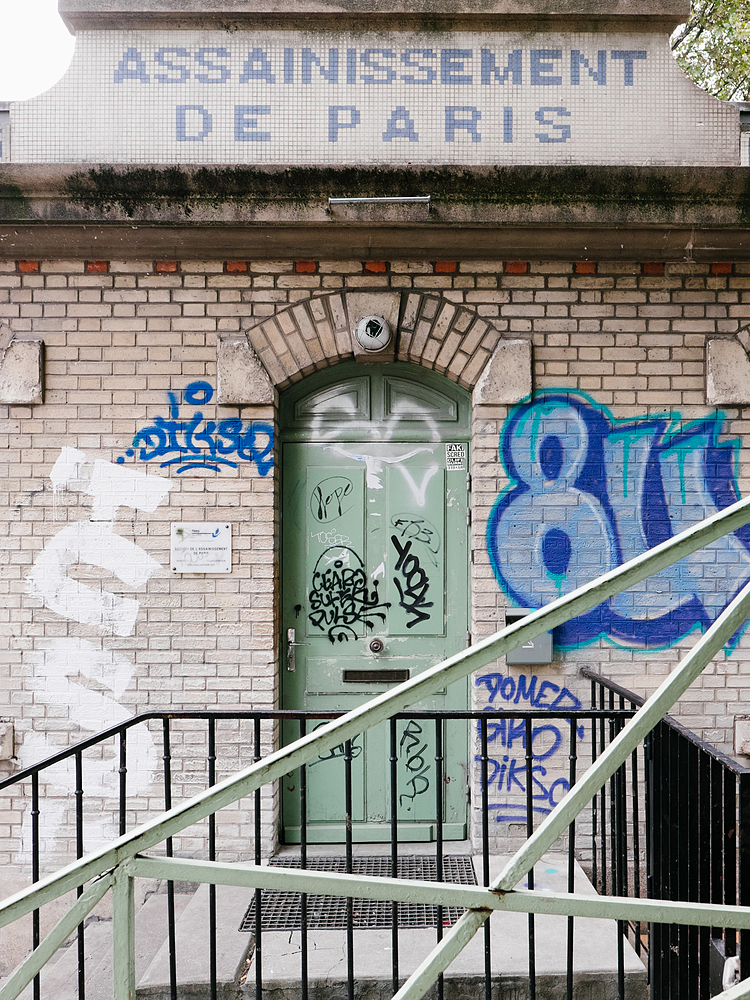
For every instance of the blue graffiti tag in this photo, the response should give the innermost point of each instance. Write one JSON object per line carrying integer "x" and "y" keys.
{"x": 588, "y": 493}
{"x": 199, "y": 444}
{"x": 506, "y": 773}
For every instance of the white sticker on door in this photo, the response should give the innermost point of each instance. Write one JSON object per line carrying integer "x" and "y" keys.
{"x": 455, "y": 457}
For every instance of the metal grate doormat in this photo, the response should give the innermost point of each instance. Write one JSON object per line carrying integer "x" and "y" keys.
{"x": 282, "y": 911}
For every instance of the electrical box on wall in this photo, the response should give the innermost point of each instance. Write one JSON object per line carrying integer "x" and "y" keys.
{"x": 538, "y": 650}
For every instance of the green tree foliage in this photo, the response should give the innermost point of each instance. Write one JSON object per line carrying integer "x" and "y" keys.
{"x": 713, "y": 47}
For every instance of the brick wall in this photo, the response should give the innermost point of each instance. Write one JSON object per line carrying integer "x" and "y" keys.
{"x": 120, "y": 335}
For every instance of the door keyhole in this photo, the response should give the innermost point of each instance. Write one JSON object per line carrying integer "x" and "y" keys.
{"x": 376, "y": 646}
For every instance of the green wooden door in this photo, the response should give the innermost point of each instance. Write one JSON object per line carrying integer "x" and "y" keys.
{"x": 375, "y": 586}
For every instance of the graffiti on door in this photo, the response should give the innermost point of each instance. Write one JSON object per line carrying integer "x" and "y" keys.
{"x": 341, "y": 597}
{"x": 589, "y": 492}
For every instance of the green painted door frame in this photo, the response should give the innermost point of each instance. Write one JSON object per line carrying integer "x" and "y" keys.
{"x": 375, "y": 585}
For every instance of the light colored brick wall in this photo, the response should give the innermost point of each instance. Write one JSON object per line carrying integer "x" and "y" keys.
{"x": 118, "y": 340}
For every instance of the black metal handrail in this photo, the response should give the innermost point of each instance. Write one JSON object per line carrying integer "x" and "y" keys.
{"x": 697, "y": 838}
{"x": 610, "y": 850}
{"x": 637, "y": 701}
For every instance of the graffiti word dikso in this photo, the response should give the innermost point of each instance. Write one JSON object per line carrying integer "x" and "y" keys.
{"x": 341, "y": 597}
{"x": 198, "y": 443}
{"x": 507, "y": 772}
{"x": 589, "y": 493}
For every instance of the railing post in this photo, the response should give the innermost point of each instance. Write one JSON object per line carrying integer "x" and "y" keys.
{"x": 743, "y": 820}
{"x": 123, "y": 937}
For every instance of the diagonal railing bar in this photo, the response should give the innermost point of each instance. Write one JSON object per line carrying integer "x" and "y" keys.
{"x": 738, "y": 992}
{"x": 454, "y": 942}
{"x": 560, "y": 904}
{"x": 65, "y": 926}
{"x": 380, "y": 708}
{"x": 605, "y": 766}
{"x": 620, "y": 749}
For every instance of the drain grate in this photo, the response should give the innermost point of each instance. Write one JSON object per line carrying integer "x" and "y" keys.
{"x": 282, "y": 911}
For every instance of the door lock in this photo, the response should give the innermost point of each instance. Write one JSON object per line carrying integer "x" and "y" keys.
{"x": 376, "y": 646}
{"x": 291, "y": 649}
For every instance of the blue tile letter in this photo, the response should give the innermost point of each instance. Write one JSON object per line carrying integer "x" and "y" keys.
{"x": 400, "y": 126}
{"x": 513, "y": 68}
{"x": 429, "y": 73}
{"x": 131, "y": 67}
{"x": 246, "y": 122}
{"x": 182, "y": 70}
{"x": 507, "y": 124}
{"x": 564, "y": 129}
{"x": 468, "y": 124}
{"x": 541, "y": 67}
{"x": 257, "y": 67}
{"x": 452, "y": 66}
{"x": 204, "y": 128}
{"x": 335, "y": 124}
{"x": 200, "y": 58}
{"x": 309, "y": 58}
{"x": 577, "y": 59}
{"x": 367, "y": 60}
{"x": 628, "y": 56}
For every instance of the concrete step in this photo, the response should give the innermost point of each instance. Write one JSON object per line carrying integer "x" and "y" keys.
{"x": 59, "y": 978}
{"x": 192, "y": 949}
{"x": 595, "y": 955}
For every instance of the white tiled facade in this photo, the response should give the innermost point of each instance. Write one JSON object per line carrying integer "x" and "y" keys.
{"x": 334, "y": 98}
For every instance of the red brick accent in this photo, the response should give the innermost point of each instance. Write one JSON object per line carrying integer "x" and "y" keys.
{"x": 97, "y": 266}
{"x": 375, "y": 266}
{"x": 585, "y": 267}
{"x": 653, "y": 267}
{"x": 235, "y": 266}
{"x": 516, "y": 266}
{"x": 305, "y": 267}
{"x": 445, "y": 267}
{"x": 166, "y": 266}
{"x": 28, "y": 266}
{"x": 722, "y": 267}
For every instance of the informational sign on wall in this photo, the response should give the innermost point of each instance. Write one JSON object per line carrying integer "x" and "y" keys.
{"x": 201, "y": 547}
{"x": 395, "y": 97}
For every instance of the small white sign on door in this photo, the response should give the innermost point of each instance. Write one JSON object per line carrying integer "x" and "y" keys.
{"x": 201, "y": 547}
{"x": 455, "y": 457}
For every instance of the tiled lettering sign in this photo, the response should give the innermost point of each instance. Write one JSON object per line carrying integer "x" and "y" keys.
{"x": 288, "y": 97}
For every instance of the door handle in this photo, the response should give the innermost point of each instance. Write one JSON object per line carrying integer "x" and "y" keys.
{"x": 291, "y": 649}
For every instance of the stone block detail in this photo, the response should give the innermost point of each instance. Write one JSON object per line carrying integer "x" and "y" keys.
{"x": 508, "y": 377}
{"x": 727, "y": 373}
{"x": 7, "y": 741}
{"x": 241, "y": 380}
{"x": 22, "y": 372}
{"x": 433, "y": 332}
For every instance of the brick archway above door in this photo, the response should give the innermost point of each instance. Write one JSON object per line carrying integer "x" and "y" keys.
{"x": 428, "y": 330}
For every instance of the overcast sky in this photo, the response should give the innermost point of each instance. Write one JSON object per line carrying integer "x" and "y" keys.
{"x": 36, "y": 50}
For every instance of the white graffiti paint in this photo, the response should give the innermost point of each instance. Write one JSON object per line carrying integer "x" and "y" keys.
{"x": 94, "y": 543}
{"x": 110, "y": 486}
{"x": 78, "y": 679}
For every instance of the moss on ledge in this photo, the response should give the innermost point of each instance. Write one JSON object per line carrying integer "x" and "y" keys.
{"x": 651, "y": 191}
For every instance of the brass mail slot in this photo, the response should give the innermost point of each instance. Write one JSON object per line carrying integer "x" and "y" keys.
{"x": 375, "y": 676}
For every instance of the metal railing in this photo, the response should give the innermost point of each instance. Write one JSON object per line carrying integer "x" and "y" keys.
{"x": 119, "y": 863}
{"x": 482, "y": 731}
{"x": 705, "y": 858}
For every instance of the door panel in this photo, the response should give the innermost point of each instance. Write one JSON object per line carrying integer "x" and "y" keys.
{"x": 374, "y": 537}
